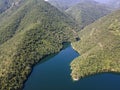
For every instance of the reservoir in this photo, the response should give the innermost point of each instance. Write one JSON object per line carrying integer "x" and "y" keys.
{"x": 53, "y": 73}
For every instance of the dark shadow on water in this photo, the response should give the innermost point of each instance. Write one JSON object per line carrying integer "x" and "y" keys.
{"x": 65, "y": 45}
{"x": 49, "y": 57}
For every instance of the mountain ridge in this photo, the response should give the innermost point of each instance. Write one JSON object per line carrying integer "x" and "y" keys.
{"x": 99, "y": 47}
{"x": 87, "y": 12}
{"x": 83, "y": 12}
{"x": 36, "y": 29}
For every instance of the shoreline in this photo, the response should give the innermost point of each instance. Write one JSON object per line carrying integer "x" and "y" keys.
{"x": 33, "y": 67}
{"x": 94, "y": 74}
{"x": 76, "y": 76}
{"x": 64, "y": 45}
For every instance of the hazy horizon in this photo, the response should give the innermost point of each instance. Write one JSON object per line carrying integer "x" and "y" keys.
{"x": 101, "y": 1}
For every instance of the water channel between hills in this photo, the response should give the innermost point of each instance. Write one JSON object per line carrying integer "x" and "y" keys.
{"x": 53, "y": 73}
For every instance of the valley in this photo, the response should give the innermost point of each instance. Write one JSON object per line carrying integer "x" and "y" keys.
{"x": 31, "y": 30}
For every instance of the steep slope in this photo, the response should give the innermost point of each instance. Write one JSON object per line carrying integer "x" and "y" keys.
{"x": 6, "y": 4}
{"x": 63, "y": 4}
{"x": 30, "y": 32}
{"x": 86, "y": 12}
{"x": 99, "y": 48}
{"x": 115, "y": 4}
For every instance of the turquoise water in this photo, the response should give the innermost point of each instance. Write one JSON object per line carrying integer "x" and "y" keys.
{"x": 53, "y": 73}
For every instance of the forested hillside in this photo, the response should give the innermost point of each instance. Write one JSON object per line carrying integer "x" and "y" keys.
{"x": 99, "y": 47}
{"x": 86, "y": 12}
{"x": 33, "y": 29}
{"x": 27, "y": 34}
{"x": 63, "y": 4}
{"x": 7, "y": 4}
{"x": 83, "y": 12}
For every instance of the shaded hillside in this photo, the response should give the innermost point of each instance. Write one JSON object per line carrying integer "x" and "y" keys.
{"x": 63, "y": 4}
{"x": 30, "y": 32}
{"x": 99, "y": 47}
{"x": 7, "y": 4}
{"x": 114, "y": 4}
{"x": 87, "y": 12}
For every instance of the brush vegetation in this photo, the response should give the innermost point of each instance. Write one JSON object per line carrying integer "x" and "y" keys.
{"x": 83, "y": 12}
{"x": 28, "y": 33}
{"x": 99, "y": 48}
{"x": 87, "y": 11}
{"x": 8, "y": 4}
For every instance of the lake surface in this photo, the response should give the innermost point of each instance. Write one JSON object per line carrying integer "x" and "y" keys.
{"x": 53, "y": 73}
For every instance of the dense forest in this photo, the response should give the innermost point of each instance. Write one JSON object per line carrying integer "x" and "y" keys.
{"x": 87, "y": 11}
{"x": 83, "y": 12}
{"x": 30, "y": 32}
{"x": 99, "y": 47}
{"x": 33, "y": 29}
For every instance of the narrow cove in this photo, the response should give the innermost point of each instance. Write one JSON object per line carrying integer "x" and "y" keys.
{"x": 53, "y": 73}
